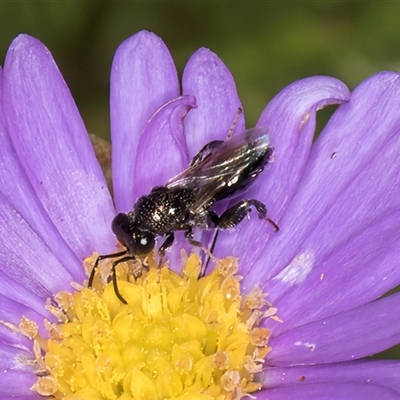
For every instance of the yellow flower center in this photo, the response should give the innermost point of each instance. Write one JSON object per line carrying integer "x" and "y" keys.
{"x": 178, "y": 337}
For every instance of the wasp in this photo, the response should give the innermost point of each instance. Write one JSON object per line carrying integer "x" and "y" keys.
{"x": 217, "y": 172}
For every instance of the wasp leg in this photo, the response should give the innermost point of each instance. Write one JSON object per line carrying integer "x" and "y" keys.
{"x": 189, "y": 237}
{"x": 114, "y": 276}
{"x": 168, "y": 243}
{"x": 103, "y": 257}
{"x": 213, "y": 243}
{"x": 212, "y": 219}
{"x": 235, "y": 214}
{"x": 212, "y": 222}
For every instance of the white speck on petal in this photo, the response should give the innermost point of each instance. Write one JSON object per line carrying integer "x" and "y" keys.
{"x": 310, "y": 346}
{"x": 299, "y": 268}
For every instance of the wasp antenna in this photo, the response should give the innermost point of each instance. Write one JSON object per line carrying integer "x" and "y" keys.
{"x": 274, "y": 224}
{"x": 100, "y": 258}
{"x": 234, "y": 123}
{"x": 114, "y": 276}
{"x": 93, "y": 272}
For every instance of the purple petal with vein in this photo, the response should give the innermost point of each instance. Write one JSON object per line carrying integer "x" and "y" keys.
{"x": 27, "y": 397}
{"x": 358, "y": 333}
{"x": 374, "y": 372}
{"x": 360, "y": 270}
{"x": 13, "y": 289}
{"x": 26, "y": 259}
{"x": 14, "y": 184}
{"x": 208, "y": 79}
{"x": 162, "y": 147}
{"x": 328, "y": 391}
{"x": 290, "y": 119}
{"x": 16, "y": 385}
{"x": 54, "y": 148}
{"x": 12, "y": 359}
{"x": 345, "y": 186}
{"x": 143, "y": 78}
{"x": 11, "y": 312}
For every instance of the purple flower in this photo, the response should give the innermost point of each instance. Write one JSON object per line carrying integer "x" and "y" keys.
{"x": 336, "y": 203}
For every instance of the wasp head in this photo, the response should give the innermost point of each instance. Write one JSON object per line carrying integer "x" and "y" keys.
{"x": 138, "y": 242}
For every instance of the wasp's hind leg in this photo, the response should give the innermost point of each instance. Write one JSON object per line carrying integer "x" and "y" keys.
{"x": 235, "y": 214}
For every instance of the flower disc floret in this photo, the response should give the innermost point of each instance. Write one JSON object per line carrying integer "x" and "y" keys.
{"x": 179, "y": 336}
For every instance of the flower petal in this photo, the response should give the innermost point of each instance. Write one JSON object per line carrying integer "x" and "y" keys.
{"x": 27, "y": 397}
{"x": 19, "y": 192}
{"x": 14, "y": 339}
{"x": 290, "y": 119}
{"x": 25, "y": 258}
{"x": 373, "y": 372}
{"x": 143, "y": 78}
{"x": 348, "y": 336}
{"x": 327, "y": 391}
{"x": 371, "y": 256}
{"x": 10, "y": 312}
{"x": 16, "y": 377}
{"x": 11, "y": 359}
{"x": 16, "y": 385}
{"x": 339, "y": 195}
{"x": 13, "y": 289}
{"x": 161, "y": 151}
{"x": 54, "y": 148}
{"x": 208, "y": 79}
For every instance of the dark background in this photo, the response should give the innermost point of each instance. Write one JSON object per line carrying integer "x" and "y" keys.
{"x": 266, "y": 44}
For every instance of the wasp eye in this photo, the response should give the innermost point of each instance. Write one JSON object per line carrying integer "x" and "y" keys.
{"x": 143, "y": 243}
{"x": 121, "y": 228}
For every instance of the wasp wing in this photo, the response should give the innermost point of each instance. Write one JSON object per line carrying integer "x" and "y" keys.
{"x": 224, "y": 167}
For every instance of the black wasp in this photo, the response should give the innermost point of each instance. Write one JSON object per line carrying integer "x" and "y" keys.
{"x": 220, "y": 169}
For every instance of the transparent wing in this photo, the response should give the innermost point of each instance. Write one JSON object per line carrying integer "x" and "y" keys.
{"x": 224, "y": 167}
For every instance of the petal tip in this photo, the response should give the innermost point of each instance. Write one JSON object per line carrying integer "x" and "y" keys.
{"x": 142, "y": 39}
{"x": 24, "y": 40}
{"x": 204, "y": 55}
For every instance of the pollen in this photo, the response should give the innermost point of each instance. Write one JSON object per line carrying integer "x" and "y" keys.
{"x": 180, "y": 336}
